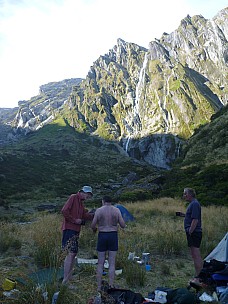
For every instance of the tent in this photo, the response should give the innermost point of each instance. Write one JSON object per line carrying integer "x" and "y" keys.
{"x": 220, "y": 252}
{"x": 127, "y": 216}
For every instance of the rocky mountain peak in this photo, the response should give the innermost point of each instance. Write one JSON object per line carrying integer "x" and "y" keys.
{"x": 145, "y": 100}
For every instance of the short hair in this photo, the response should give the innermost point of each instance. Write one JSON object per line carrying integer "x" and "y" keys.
{"x": 190, "y": 191}
{"x": 107, "y": 199}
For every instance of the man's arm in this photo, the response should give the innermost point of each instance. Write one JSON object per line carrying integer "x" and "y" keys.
{"x": 121, "y": 220}
{"x": 66, "y": 210}
{"x": 193, "y": 226}
{"x": 94, "y": 223}
{"x": 178, "y": 213}
{"x": 87, "y": 215}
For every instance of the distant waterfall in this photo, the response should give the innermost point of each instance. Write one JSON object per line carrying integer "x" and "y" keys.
{"x": 134, "y": 126}
{"x": 127, "y": 144}
{"x": 140, "y": 86}
{"x": 178, "y": 146}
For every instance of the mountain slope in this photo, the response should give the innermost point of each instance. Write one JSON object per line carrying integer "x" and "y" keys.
{"x": 137, "y": 102}
{"x": 131, "y": 92}
{"x": 203, "y": 164}
{"x": 209, "y": 144}
{"x": 56, "y": 161}
{"x": 172, "y": 88}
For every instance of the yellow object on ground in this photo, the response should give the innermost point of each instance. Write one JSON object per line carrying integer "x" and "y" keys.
{"x": 8, "y": 284}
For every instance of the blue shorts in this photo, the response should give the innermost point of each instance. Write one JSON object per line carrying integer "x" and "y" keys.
{"x": 194, "y": 240}
{"x": 70, "y": 240}
{"x": 107, "y": 241}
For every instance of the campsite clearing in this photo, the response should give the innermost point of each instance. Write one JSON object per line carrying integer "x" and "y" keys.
{"x": 35, "y": 245}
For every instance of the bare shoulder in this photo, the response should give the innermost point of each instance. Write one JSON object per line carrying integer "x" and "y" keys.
{"x": 99, "y": 210}
{"x": 117, "y": 210}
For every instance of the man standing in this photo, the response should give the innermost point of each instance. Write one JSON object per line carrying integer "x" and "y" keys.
{"x": 74, "y": 214}
{"x": 193, "y": 227}
{"x": 107, "y": 218}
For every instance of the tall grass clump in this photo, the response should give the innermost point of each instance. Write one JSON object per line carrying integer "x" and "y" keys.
{"x": 215, "y": 226}
{"x": 156, "y": 230}
{"x": 88, "y": 240}
{"x": 134, "y": 274}
{"x": 9, "y": 237}
{"x": 40, "y": 294}
{"x": 45, "y": 234}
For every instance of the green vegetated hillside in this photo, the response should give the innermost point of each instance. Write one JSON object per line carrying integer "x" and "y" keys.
{"x": 48, "y": 165}
{"x": 143, "y": 101}
{"x": 203, "y": 163}
{"x": 56, "y": 161}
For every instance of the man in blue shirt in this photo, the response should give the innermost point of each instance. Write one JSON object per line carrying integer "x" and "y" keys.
{"x": 193, "y": 227}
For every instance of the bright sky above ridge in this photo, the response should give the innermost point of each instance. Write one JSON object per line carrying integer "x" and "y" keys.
{"x": 43, "y": 41}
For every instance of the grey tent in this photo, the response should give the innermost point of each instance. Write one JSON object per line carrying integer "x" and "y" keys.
{"x": 220, "y": 252}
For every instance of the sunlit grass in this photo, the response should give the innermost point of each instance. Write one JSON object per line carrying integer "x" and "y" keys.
{"x": 156, "y": 230}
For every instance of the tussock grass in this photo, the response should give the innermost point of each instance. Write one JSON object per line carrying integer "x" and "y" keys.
{"x": 135, "y": 275}
{"x": 157, "y": 227}
{"x": 215, "y": 225}
{"x": 156, "y": 230}
{"x": 9, "y": 237}
{"x": 45, "y": 240}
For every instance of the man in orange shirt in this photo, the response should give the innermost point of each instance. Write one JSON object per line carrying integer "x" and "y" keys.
{"x": 74, "y": 214}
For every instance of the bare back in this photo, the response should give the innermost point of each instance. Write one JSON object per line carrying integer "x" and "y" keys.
{"x": 107, "y": 218}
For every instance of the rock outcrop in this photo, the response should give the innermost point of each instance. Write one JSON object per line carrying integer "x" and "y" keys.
{"x": 40, "y": 110}
{"x": 146, "y": 100}
{"x": 172, "y": 88}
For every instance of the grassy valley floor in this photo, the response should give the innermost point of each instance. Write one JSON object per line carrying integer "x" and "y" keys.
{"x": 34, "y": 245}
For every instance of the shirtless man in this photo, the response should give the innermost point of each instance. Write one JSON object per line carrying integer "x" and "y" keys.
{"x": 107, "y": 219}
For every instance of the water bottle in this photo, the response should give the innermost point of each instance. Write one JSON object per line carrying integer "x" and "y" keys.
{"x": 55, "y": 297}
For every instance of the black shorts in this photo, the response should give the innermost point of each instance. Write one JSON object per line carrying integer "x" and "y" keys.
{"x": 70, "y": 240}
{"x": 194, "y": 240}
{"x": 107, "y": 241}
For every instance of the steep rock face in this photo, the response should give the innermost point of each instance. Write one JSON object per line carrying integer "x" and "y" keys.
{"x": 136, "y": 96}
{"x": 132, "y": 93}
{"x": 202, "y": 45}
{"x": 40, "y": 110}
{"x": 159, "y": 150}
{"x": 7, "y": 133}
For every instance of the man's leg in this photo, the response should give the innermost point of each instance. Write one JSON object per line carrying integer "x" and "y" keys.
{"x": 69, "y": 243}
{"x": 100, "y": 268}
{"x": 196, "y": 256}
{"x": 112, "y": 263}
{"x": 68, "y": 266}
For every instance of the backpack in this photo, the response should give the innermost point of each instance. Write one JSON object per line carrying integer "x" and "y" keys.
{"x": 211, "y": 268}
{"x": 125, "y": 296}
{"x": 181, "y": 296}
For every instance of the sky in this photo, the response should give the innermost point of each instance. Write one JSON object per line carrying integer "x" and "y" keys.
{"x": 42, "y": 41}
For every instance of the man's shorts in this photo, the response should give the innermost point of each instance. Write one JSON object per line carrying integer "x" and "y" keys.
{"x": 107, "y": 241}
{"x": 194, "y": 240}
{"x": 70, "y": 240}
